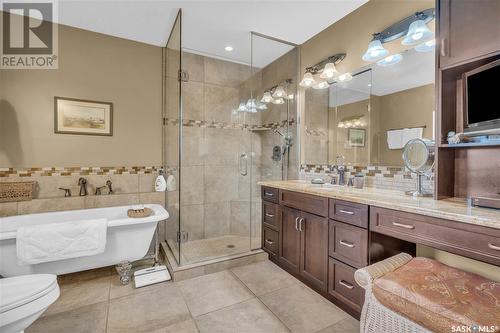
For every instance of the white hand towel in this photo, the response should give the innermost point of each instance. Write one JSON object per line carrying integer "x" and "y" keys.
{"x": 395, "y": 139}
{"x": 59, "y": 241}
{"x": 412, "y": 133}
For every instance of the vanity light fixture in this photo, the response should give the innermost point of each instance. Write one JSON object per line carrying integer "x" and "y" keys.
{"x": 329, "y": 71}
{"x": 390, "y": 60}
{"x": 251, "y": 106}
{"x": 279, "y": 92}
{"x": 242, "y": 108}
{"x": 417, "y": 32}
{"x": 325, "y": 69}
{"x": 413, "y": 28}
{"x": 261, "y": 106}
{"x": 307, "y": 80}
{"x": 426, "y": 46}
{"x": 320, "y": 85}
{"x": 344, "y": 77}
{"x": 375, "y": 50}
{"x": 267, "y": 98}
{"x": 278, "y": 101}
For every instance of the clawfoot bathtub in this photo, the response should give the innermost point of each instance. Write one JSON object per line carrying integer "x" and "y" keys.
{"x": 128, "y": 239}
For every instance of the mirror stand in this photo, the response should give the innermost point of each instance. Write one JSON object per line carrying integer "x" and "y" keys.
{"x": 419, "y": 191}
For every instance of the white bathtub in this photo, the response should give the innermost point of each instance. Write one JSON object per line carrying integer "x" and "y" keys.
{"x": 127, "y": 239}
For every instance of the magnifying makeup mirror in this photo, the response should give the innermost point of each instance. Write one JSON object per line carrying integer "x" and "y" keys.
{"x": 418, "y": 156}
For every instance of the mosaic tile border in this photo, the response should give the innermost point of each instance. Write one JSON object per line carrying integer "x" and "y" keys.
{"x": 369, "y": 170}
{"x": 223, "y": 125}
{"x": 80, "y": 171}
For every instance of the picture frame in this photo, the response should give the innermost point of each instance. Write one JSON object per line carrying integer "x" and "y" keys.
{"x": 356, "y": 137}
{"x": 82, "y": 117}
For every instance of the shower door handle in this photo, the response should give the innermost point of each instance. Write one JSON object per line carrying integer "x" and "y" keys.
{"x": 243, "y": 164}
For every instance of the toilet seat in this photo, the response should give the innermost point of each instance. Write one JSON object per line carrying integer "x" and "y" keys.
{"x": 24, "y": 298}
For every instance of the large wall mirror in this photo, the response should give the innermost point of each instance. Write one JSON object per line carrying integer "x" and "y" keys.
{"x": 367, "y": 120}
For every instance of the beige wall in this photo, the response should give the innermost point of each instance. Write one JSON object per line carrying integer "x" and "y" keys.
{"x": 352, "y": 33}
{"x": 95, "y": 67}
{"x": 407, "y": 108}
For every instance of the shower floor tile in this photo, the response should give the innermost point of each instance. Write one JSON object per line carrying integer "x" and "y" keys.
{"x": 211, "y": 248}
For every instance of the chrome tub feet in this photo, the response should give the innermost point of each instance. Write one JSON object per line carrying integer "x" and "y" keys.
{"x": 124, "y": 269}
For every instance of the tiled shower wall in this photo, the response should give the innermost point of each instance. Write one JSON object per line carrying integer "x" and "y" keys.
{"x": 215, "y": 197}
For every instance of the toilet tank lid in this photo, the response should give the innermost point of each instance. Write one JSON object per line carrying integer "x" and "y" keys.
{"x": 19, "y": 290}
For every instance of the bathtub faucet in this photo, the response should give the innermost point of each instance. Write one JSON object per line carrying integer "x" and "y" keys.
{"x": 109, "y": 184}
{"x": 83, "y": 186}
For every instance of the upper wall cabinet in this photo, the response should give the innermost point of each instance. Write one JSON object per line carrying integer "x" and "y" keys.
{"x": 468, "y": 29}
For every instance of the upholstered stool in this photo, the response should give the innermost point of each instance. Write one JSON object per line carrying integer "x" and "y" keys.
{"x": 405, "y": 294}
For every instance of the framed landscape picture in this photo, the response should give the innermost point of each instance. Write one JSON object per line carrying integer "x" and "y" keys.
{"x": 77, "y": 116}
{"x": 356, "y": 137}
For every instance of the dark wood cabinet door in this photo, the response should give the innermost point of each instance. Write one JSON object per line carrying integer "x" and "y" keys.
{"x": 289, "y": 252}
{"x": 467, "y": 29}
{"x": 314, "y": 249}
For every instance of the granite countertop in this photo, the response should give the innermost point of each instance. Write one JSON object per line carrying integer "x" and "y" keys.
{"x": 454, "y": 209}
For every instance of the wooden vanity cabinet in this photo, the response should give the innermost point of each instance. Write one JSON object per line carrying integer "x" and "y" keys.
{"x": 306, "y": 242}
{"x": 467, "y": 29}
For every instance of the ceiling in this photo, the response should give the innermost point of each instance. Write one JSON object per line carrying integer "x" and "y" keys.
{"x": 209, "y": 26}
{"x": 415, "y": 70}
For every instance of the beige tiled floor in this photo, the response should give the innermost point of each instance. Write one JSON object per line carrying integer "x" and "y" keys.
{"x": 259, "y": 297}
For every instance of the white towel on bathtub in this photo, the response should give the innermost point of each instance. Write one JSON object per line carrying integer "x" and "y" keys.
{"x": 59, "y": 241}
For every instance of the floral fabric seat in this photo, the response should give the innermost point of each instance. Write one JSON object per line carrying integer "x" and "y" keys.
{"x": 439, "y": 297}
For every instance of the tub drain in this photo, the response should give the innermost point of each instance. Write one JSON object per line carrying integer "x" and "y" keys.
{"x": 230, "y": 246}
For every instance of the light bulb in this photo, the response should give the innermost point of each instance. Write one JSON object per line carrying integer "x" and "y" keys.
{"x": 390, "y": 60}
{"x": 426, "y": 46}
{"x": 278, "y": 101}
{"x": 266, "y": 98}
{"x": 375, "y": 51}
{"x": 344, "y": 77}
{"x": 307, "y": 80}
{"x": 321, "y": 85}
{"x": 242, "y": 107}
{"x": 290, "y": 96}
{"x": 329, "y": 71}
{"x": 261, "y": 106}
{"x": 417, "y": 32}
{"x": 279, "y": 92}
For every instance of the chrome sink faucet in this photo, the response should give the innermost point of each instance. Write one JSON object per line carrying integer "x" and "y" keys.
{"x": 341, "y": 168}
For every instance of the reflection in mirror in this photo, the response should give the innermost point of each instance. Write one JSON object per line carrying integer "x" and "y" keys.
{"x": 368, "y": 119}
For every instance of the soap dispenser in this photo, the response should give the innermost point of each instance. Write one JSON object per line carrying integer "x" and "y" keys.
{"x": 160, "y": 183}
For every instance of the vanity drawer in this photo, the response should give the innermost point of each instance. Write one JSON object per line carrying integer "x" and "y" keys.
{"x": 270, "y": 242}
{"x": 341, "y": 284}
{"x": 348, "y": 243}
{"x": 305, "y": 202}
{"x": 270, "y": 194}
{"x": 349, "y": 212}
{"x": 270, "y": 214}
{"x": 465, "y": 239}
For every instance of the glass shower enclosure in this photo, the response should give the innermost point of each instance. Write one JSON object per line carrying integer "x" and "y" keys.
{"x": 220, "y": 138}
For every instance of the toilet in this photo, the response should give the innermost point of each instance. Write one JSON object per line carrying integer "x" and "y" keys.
{"x": 24, "y": 298}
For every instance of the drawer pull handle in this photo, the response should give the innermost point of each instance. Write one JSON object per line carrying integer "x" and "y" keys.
{"x": 406, "y": 226}
{"x": 269, "y": 194}
{"x": 348, "y": 212}
{"x": 296, "y": 223}
{"x": 493, "y": 247}
{"x": 346, "y": 284}
{"x": 270, "y": 242}
{"x": 269, "y": 215}
{"x": 351, "y": 245}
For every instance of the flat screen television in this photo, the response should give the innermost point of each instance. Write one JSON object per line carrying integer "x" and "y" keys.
{"x": 482, "y": 99}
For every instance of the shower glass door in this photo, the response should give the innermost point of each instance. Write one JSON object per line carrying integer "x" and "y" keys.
{"x": 274, "y": 135}
{"x": 172, "y": 118}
